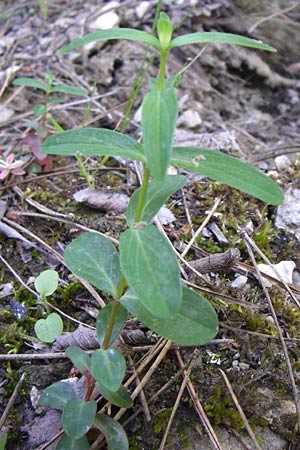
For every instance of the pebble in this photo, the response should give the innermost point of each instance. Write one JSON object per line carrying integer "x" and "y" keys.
{"x": 141, "y": 9}
{"x": 283, "y": 164}
{"x": 285, "y": 269}
{"x": 288, "y": 214}
{"x": 239, "y": 282}
{"x": 190, "y": 119}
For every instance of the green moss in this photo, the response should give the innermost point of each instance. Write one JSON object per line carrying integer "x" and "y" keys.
{"x": 219, "y": 408}
{"x": 161, "y": 420}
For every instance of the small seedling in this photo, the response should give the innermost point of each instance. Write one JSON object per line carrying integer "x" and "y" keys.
{"x": 51, "y": 327}
{"x": 142, "y": 277}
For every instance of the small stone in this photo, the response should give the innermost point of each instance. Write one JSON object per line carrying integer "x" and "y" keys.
{"x": 108, "y": 20}
{"x": 270, "y": 319}
{"x": 141, "y": 9}
{"x": 244, "y": 366}
{"x": 288, "y": 214}
{"x": 283, "y": 164}
{"x": 6, "y": 114}
{"x": 239, "y": 282}
{"x": 285, "y": 269}
{"x": 190, "y": 119}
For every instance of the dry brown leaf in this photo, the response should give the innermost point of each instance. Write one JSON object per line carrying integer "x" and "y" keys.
{"x": 105, "y": 201}
{"x": 83, "y": 337}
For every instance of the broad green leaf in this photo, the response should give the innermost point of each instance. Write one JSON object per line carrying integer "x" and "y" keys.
{"x": 39, "y": 110}
{"x": 228, "y": 170}
{"x": 46, "y": 283}
{"x": 103, "y": 321}
{"x": 113, "y": 33}
{"x": 3, "y": 441}
{"x": 94, "y": 141}
{"x": 94, "y": 258}
{"x": 220, "y": 38}
{"x": 151, "y": 270}
{"x": 72, "y": 90}
{"x": 157, "y": 194}
{"x": 57, "y": 395}
{"x": 48, "y": 329}
{"x": 67, "y": 443}
{"x": 119, "y": 398}
{"x": 159, "y": 115}
{"x": 108, "y": 368}
{"x": 195, "y": 323}
{"x": 79, "y": 358}
{"x": 30, "y": 82}
{"x": 114, "y": 433}
{"x": 77, "y": 417}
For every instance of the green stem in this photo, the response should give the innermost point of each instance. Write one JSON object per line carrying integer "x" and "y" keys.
{"x": 162, "y": 70}
{"x": 142, "y": 195}
{"x": 109, "y": 329}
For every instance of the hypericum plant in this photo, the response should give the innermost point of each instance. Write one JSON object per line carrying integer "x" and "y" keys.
{"x": 142, "y": 276}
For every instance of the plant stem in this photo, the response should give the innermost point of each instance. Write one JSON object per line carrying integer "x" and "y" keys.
{"x": 109, "y": 329}
{"x": 142, "y": 195}
{"x": 162, "y": 70}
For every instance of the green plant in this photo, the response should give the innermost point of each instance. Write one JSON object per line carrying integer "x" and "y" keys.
{"x": 143, "y": 277}
{"x": 51, "y": 327}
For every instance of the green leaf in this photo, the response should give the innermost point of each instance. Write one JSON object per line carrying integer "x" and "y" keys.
{"x": 67, "y": 443}
{"x": 228, "y": 170}
{"x": 57, "y": 395}
{"x": 151, "y": 269}
{"x": 114, "y": 433}
{"x": 220, "y": 38}
{"x": 79, "y": 358}
{"x": 46, "y": 283}
{"x": 71, "y": 90}
{"x": 3, "y": 441}
{"x": 113, "y": 33}
{"x": 103, "y": 321}
{"x": 119, "y": 398}
{"x": 108, "y": 368}
{"x": 48, "y": 329}
{"x": 195, "y": 323}
{"x": 30, "y": 82}
{"x": 94, "y": 258}
{"x": 39, "y": 110}
{"x": 94, "y": 141}
{"x": 159, "y": 115}
{"x": 77, "y": 417}
{"x": 157, "y": 194}
{"x": 164, "y": 30}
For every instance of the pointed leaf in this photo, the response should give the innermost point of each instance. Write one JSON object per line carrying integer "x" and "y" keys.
{"x": 228, "y": 170}
{"x": 113, "y": 33}
{"x": 114, "y": 433}
{"x": 79, "y": 358}
{"x": 94, "y": 258}
{"x": 220, "y": 38}
{"x": 77, "y": 417}
{"x": 67, "y": 443}
{"x": 195, "y": 323}
{"x": 159, "y": 115}
{"x": 103, "y": 321}
{"x": 157, "y": 194}
{"x": 57, "y": 395}
{"x": 71, "y": 90}
{"x": 151, "y": 269}
{"x": 48, "y": 329}
{"x": 119, "y": 398}
{"x": 94, "y": 141}
{"x": 108, "y": 368}
{"x": 30, "y": 82}
{"x": 46, "y": 283}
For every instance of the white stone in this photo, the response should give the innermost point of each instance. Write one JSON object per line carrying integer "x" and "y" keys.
{"x": 190, "y": 119}
{"x": 283, "y": 164}
{"x": 285, "y": 269}
{"x": 239, "y": 282}
{"x": 6, "y": 114}
{"x": 141, "y": 9}
{"x": 288, "y": 214}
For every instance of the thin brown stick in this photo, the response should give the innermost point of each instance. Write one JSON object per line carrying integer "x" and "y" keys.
{"x": 199, "y": 409}
{"x": 248, "y": 243}
{"x": 241, "y": 412}
{"x": 143, "y": 399}
{"x": 11, "y": 400}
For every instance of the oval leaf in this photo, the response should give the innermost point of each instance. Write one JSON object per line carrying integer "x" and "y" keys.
{"x": 195, "y": 323}
{"x": 108, "y": 368}
{"x": 94, "y": 141}
{"x": 119, "y": 398}
{"x": 220, "y": 38}
{"x": 159, "y": 115}
{"x": 46, "y": 283}
{"x": 157, "y": 194}
{"x": 71, "y": 90}
{"x": 77, "y": 417}
{"x": 30, "y": 82}
{"x": 79, "y": 358}
{"x": 112, "y": 33}
{"x": 94, "y": 258}
{"x": 48, "y": 329}
{"x": 151, "y": 269}
{"x": 67, "y": 443}
{"x": 103, "y": 321}
{"x": 228, "y": 170}
{"x": 57, "y": 395}
{"x": 114, "y": 433}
